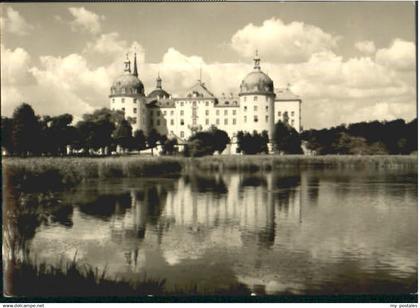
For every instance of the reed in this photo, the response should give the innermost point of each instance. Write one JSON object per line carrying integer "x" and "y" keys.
{"x": 72, "y": 278}
{"x": 39, "y": 174}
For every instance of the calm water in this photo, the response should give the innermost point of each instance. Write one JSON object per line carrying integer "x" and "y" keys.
{"x": 301, "y": 232}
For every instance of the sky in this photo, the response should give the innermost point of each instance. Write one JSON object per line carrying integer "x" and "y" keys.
{"x": 349, "y": 62}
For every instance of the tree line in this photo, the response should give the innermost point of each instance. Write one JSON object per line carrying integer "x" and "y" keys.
{"x": 364, "y": 138}
{"x": 102, "y": 131}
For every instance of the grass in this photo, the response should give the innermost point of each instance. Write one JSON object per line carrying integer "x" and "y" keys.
{"x": 39, "y": 174}
{"x": 73, "y": 279}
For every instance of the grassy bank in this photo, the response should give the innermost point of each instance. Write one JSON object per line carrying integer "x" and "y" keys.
{"x": 73, "y": 279}
{"x": 37, "y": 174}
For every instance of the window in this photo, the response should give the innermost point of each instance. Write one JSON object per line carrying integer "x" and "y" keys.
{"x": 134, "y": 120}
{"x": 234, "y": 121}
{"x": 134, "y": 110}
{"x": 226, "y": 103}
{"x": 172, "y": 112}
{"x": 123, "y": 90}
{"x": 244, "y": 98}
{"x": 255, "y": 108}
{"x": 164, "y": 112}
{"x": 293, "y": 113}
{"x": 207, "y": 112}
{"x": 217, "y": 121}
{"x": 151, "y": 122}
{"x": 266, "y": 119}
{"x": 182, "y": 104}
{"x": 182, "y": 134}
{"x": 182, "y": 121}
{"x": 123, "y": 100}
{"x": 234, "y": 112}
{"x": 255, "y": 119}
{"x": 293, "y": 122}
{"x": 226, "y": 121}
{"x": 182, "y": 112}
{"x": 135, "y": 100}
{"x": 266, "y": 108}
{"x": 244, "y": 119}
{"x": 157, "y": 122}
{"x": 207, "y": 104}
{"x": 123, "y": 109}
{"x": 113, "y": 100}
{"x": 245, "y": 108}
{"x": 217, "y": 112}
{"x": 151, "y": 113}
{"x": 157, "y": 112}
{"x": 266, "y": 98}
{"x": 279, "y": 113}
{"x": 226, "y": 112}
{"x": 255, "y": 98}
{"x": 172, "y": 121}
{"x": 207, "y": 121}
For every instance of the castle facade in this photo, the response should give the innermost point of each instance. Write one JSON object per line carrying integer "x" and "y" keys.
{"x": 258, "y": 106}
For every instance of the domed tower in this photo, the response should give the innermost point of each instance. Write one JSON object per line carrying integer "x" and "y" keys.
{"x": 127, "y": 95}
{"x": 257, "y": 100}
{"x": 159, "y": 92}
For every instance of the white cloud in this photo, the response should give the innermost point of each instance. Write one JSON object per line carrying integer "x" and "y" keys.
{"x": 401, "y": 55}
{"x": 277, "y": 41}
{"x": 334, "y": 89}
{"x": 14, "y": 23}
{"x": 110, "y": 48}
{"x": 367, "y": 47}
{"x": 15, "y": 66}
{"x": 85, "y": 20}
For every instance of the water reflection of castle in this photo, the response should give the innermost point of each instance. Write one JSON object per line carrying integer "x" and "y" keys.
{"x": 207, "y": 209}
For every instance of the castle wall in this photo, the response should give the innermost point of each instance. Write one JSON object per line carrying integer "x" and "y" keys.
{"x": 290, "y": 110}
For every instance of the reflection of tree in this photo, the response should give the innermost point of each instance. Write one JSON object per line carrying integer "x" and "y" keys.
{"x": 284, "y": 186}
{"x": 22, "y": 215}
{"x": 105, "y": 206}
{"x": 206, "y": 183}
{"x": 252, "y": 180}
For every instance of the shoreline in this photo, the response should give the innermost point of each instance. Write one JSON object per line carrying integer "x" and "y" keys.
{"x": 58, "y": 173}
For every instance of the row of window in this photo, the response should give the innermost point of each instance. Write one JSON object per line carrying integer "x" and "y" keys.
{"x": 256, "y": 98}
{"x": 292, "y": 113}
{"x": 255, "y": 108}
{"x": 123, "y": 100}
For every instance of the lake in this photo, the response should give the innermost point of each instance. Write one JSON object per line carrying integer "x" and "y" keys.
{"x": 285, "y": 232}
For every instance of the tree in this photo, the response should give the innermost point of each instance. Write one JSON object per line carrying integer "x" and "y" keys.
{"x": 286, "y": 139}
{"x": 169, "y": 146}
{"x": 6, "y": 134}
{"x": 220, "y": 139}
{"x": 153, "y": 138}
{"x": 252, "y": 144}
{"x": 95, "y": 130}
{"x": 139, "y": 140}
{"x": 122, "y": 135}
{"x": 26, "y": 130}
{"x": 206, "y": 142}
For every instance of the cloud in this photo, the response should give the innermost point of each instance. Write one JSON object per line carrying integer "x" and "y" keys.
{"x": 15, "y": 66}
{"x": 334, "y": 89}
{"x": 14, "y": 23}
{"x": 280, "y": 42}
{"x": 85, "y": 21}
{"x": 111, "y": 48}
{"x": 401, "y": 55}
{"x": 367, "y": 47}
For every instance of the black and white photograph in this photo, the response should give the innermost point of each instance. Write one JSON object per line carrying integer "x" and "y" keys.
{"x": 209, "y": 151}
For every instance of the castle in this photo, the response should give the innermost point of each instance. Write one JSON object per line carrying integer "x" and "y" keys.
{"x": 258, "y": 106}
